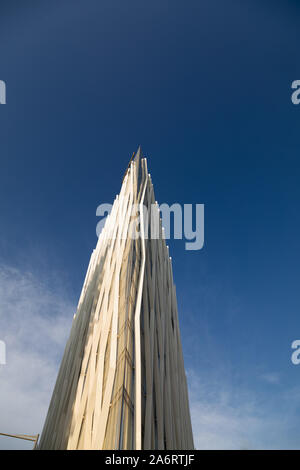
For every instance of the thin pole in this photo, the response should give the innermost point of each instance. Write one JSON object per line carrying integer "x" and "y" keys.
{"x": 36, "y": 441}
{"x": 24, "y": 437}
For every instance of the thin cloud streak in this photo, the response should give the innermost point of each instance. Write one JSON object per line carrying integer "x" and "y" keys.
{"x": 227, "y": 417}
{"x": 34, "y": 323}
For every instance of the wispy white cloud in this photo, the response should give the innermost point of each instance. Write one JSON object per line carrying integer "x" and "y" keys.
{"x": 228, "y": 417}
{"x": 34, "y": 323}
{"x": 271, "y": 377}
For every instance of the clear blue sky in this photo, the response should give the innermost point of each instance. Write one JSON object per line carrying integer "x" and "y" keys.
{"x": 204, "y": 87}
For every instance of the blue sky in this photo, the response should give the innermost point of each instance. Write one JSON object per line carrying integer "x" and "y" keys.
{"x": 205, "y": 88}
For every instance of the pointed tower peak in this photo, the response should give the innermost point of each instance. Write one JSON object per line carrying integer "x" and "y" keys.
{"x": 139, "y": 154}
{"x": 136, "y": 158}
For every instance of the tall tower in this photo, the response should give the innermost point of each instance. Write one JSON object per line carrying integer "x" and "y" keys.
{"x": 121, "y": 383}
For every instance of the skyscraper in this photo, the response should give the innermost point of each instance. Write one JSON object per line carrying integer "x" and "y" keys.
{"x": 121, "y": 383}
